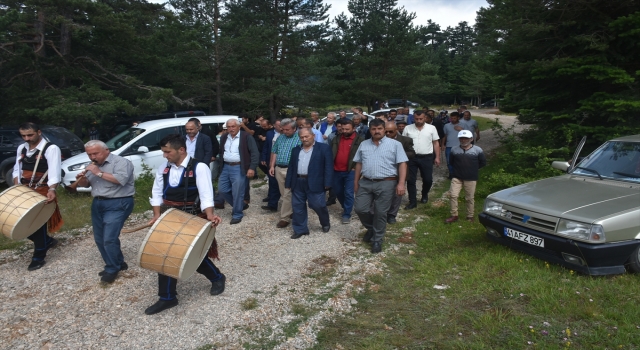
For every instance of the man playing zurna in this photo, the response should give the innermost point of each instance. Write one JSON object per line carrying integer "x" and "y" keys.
{"x": 38, "y": 166}
{"x": 180, "y": 183}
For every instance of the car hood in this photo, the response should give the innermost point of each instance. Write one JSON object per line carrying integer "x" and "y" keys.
{"x": 572, "y": 197}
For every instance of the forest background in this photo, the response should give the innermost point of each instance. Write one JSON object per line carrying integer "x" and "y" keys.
{"x": 568, "y": 67}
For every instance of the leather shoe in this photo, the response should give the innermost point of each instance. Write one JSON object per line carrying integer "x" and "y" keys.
{"x": 217, "y": 206}
{"x": 376, "y": 247}
{"x": 264, "y": 200}
{"x": 424, "y": 199}
{"x": 282, "y": 224}
{"x": 326, "y": 229}
{"x": 123, "y": 267}
{"x": 346, "y": 220}
{"x": 391, "y": 219}
{"x": 160, "y": 306}
{"x": 410, "y": 206}
{"x": 36, "y": 264}
{"x": 298, "y": 235}
{"x": 451, "y": 219}
{"x": 217, "y": 286}
{"x": 331, "y": 203}
{"x": 235, "y": 221}
{"x": 245, "y": 206}
{"x": 266, "y": 207}
{"x": 109, "y": 277}
{"x": 367, "y": 236}
{"x": 52, "y": 244}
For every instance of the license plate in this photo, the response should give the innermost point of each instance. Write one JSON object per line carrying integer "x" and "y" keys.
{"x": 524, "y": 237}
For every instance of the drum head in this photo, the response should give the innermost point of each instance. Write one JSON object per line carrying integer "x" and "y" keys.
{"x": 23, "y": 211}
{"x": 176, "y": 244}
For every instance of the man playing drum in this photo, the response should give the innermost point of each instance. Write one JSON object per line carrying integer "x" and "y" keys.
{"x": 37, "y": 160}
{"x": 180, "y": 182}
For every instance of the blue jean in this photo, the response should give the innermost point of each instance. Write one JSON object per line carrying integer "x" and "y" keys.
{"x": 447, "y": 153}
{"x": 108, "y": 217}
{"x": 231, "y": 187}
{"x": 343, "y": 188}
{"x": 300, "y": 194}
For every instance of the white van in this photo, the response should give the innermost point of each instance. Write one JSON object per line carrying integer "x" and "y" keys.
{"x": 141, "y": 144}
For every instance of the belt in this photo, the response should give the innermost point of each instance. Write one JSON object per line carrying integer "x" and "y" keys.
{"x": 303, "y": 176}
{"x": 282, "y": 166}
{"x": 232, "y": 163}
{"x": 103, "y": 198}
{"x": 177, "y": 204}
{"x": 391, "y": 178}
{"x": 423, "y": 155}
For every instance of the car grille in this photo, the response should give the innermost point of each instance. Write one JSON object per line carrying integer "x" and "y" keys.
{"x": 533, "y": 221}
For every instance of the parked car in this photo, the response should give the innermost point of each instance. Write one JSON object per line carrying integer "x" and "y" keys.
{"x": 587, "y": 220}
{"x": 70, "y": 145}
{"x": 140, "y": 144}
{"x": 398, "y": 102}
{"x": 126, "y": 123}
{"x": 490, "y": 104}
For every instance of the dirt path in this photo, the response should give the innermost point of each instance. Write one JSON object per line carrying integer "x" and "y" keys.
{"x": 278, "y": 290}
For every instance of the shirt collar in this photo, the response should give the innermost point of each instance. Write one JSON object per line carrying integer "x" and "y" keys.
{"x": 195, "y": 138}
{"x": 184, "y": 163}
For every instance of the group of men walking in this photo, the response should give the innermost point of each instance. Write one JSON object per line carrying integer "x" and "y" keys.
{"x": 365, "y": 171}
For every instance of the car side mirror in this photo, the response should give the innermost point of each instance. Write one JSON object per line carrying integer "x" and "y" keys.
{"x": 560, "y": 165}
{"x": 143, "y": 149}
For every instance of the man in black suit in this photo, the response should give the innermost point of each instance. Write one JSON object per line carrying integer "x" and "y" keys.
{"x": 309, "y": 174}
{"x": 391, "y": 131}
{"x": 199, "y": 145}
{"x": 273, "y": 195}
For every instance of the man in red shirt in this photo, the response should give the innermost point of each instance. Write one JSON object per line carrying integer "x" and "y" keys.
{"x": 344, "y": 149}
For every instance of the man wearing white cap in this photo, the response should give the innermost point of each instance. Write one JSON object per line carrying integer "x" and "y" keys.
{"x": 466, "y": 159}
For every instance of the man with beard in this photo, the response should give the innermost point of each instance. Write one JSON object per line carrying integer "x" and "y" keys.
{"x": 380, "y": 173}
{"x": 344, "y": 148}
{"x": 425, "y": 143}
{"x": 199, "y": 145}
{"x": 36, "y": 161}
{"x": 466, "y": 159}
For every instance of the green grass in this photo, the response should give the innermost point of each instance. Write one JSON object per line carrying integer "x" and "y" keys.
{"x": 484, "y": 123}
{"x": 497, "y": 298}
{"x": 249, "y": 304}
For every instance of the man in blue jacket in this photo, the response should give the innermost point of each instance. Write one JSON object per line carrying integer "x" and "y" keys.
{"x": 310, "y": 173}
{"x": 273, "y": 196}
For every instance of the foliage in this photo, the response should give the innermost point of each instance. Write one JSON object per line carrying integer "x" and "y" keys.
{"x": 569, "y": 66}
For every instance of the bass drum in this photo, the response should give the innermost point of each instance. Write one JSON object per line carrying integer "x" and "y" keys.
{"x": 176, "y": 244}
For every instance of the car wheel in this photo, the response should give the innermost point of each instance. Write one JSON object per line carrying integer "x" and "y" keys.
{"x": 634, "y": 260}
{"x": 8, "y": 176}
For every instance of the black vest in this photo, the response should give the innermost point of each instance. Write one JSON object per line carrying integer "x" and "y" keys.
{"x": 186, "y": 191}
{"x": 29, "y": 163}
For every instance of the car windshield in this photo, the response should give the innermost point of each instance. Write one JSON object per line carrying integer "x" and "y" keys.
{"x": 616, "y": 160}
{"x": 122, "y": 138}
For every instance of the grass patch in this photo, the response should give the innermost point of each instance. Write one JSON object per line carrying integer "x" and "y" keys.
{"x": 493, "y": 297}
{"x": 249, "y": 304}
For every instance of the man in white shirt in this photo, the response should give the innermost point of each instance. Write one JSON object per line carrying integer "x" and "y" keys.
{"x": 30, "y": 171}
{"x": 199, "y": 145}
{"x": 181, "y": 171}
{"x": 425, "y": 143}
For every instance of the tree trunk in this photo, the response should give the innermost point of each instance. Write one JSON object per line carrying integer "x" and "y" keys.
{"x": 39, "y": 37}
{"x": 216, "y": 17}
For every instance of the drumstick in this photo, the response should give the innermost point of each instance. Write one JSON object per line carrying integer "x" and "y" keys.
{"x": 135, "y": 228}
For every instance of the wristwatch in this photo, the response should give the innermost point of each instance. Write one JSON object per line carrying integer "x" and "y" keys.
{"x": 100, "y": 174}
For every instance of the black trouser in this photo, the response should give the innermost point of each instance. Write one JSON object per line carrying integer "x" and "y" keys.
{"x": 332, "y": 196}
{"x": 41, "y": 241}
{"x": 425, "y": 164}
{"x": 167, "y": 285}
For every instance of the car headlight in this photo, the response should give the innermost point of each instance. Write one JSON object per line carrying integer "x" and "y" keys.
{"x": 77, "y": 167}
{"x": 493, "y": 207}
{"x": 582, "y": 231}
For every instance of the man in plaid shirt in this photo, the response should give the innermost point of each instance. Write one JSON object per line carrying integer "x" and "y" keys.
{"x": 280, "y": 157}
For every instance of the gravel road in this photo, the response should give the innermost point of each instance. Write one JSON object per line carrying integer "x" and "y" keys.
{"x": 269, "y": 278}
